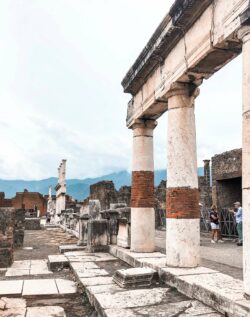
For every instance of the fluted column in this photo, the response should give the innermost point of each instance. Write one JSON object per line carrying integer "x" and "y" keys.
{"x": 244, "y": 34}
{"x": 183, "y": 215}
{"x": 142, "y": 195}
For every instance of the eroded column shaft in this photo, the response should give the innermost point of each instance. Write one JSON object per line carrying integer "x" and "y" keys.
{"x": 244, "y": 34}
{"x": 183, "y": 216}
{"x": 142, "y": 195}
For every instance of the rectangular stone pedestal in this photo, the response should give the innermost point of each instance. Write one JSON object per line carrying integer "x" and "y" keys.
{"x": 32, "y": 224}
{"x": 123, "y": 238}
{"x": 98, "y": 235}
{"x": 19, "y": 228}
{"x": 134, "y": 277}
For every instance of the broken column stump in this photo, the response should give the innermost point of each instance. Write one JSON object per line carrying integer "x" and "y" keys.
{"x": 98, "y": 235}
{"x": 134, "y": 277}
{"x": 7, "y": 223}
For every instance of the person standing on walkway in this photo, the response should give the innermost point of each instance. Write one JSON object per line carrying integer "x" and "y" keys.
{"x": 215, "y": 225}
{"x": 238, "y": 212}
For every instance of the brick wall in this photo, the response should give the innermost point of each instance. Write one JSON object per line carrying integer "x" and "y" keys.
{"x": 28, "y": 200}
{"x": 183, "y": 203}
{"x": 142, "y": 194}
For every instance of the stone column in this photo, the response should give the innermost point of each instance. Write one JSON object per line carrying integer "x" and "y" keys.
{"x": 142, "y": 193}
{"x": 183, "y": 215}
{"x": 244, "y": 34}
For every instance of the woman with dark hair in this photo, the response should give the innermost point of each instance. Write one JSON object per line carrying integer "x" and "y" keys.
{"x": 215, "y": 226}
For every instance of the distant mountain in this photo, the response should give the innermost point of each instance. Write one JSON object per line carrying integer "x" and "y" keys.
{"x": 78, "y": 188}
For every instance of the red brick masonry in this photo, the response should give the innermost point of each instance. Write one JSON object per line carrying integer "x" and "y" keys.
{"x": 183, "y": 203}
{"x": 142, "y": 194}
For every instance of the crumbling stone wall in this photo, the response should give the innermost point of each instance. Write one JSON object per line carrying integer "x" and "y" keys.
{"x": 19, "y": 228}
{"x": 124, "y": 195}
{"x": 105, "y": 192}
{"x": 7, "y": 224}
{"x": 226, "y": 178}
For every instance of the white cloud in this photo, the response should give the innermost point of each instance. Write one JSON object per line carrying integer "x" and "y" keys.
{"x": 61, "y": 64}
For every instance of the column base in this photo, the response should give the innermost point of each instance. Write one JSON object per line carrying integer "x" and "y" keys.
{"x": 183, "y": 242}
{"x": 142, "y": 230}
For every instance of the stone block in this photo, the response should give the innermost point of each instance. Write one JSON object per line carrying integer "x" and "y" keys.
{"x": 39, "y": 287}
{"x": 98, "y": 235}
{"x": 94, "y": 209}
{"x": 11, "y": 288}
{"x": 19, "y": 228}
{"x": 57, "y": 262}
{"x": 71, "y": 247}
{"x": 124, "y": 235}
{"x": 66, "y": 286}
{"x": 134, "y": 277}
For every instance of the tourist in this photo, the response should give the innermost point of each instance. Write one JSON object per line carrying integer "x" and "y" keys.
{"x": 215, "y": 225}
{"x": 238, "y": 211}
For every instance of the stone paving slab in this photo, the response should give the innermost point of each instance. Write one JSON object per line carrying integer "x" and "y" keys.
{"x": 14, "y": 287}
{"x": 17, "y": 272}
{"x": 39, "y": 287}
{"x": 101, "y": 289}
{"x": 65, "y": 286}
{"x": 45, "y": 311}
{"x": 70, "y": 247}
{"x": 28, "y": 267}
{"x": 90, "y": 272}
{"x": 99, "y": 280}
{"x": 131, "y": 298}
{"x": 84, "y": 265}
{"x": 180, "y": 309}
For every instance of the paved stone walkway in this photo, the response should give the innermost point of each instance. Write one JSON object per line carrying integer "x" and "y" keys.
{"x": 29, "y": 289}
{"x": 225, "y": 258}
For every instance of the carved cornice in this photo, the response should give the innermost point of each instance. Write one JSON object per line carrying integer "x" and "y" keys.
{"x": 183, "y": 14}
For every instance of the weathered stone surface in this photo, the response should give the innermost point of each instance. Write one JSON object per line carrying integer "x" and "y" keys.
{"x": 65, "y": 286}
{"x": 7, "y": 224}
{"x": 57, "y": 262}
{"x": 39, "y": 287}
{"x": 48, "y": 311}
{"x": 19, "y": 228}
{"x": 101, "y": 289}
{"x": 70, "y": 247}
{"x": 135, "y": 298}
{"x": 98, "y": 235}
{"x": 101, "y": 280}
{"x": 11, "y": 287}
{"x": 134, "y": 277}
{"x": 90, "y": 272}
{"x": 32, "y": 224}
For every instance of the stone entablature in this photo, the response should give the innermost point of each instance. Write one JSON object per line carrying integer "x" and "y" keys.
{"x": 192, "y": 42}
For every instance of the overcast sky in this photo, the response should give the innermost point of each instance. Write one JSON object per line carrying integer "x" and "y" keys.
{"x": 61, "y": 64}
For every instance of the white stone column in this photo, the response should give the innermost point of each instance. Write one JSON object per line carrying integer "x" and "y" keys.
{"x": 183, "y": 215}
{"x": 244, "y": 34}
{"x": 142, "y": 195}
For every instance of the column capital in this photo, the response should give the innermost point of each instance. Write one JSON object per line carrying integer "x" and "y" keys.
{"x": 149, "y": 124}
{"x": 244, "y": 33}
{"x": 186, "y": 91}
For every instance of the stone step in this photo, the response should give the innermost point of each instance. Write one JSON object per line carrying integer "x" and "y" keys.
{"x": 222, "y": 292}
{"x": 71, "y": 247}
{"x": 57, "y": 262}
{"x": 37, "y": 287}
{"x": 134, "y": 277}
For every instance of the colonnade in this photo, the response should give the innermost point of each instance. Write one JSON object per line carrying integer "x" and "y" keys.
{"x": 183, "y": 215}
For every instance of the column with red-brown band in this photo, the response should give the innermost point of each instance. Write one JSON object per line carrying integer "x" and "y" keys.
{"x": 142, "y": 195}
{"x": 183, "y": 216}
